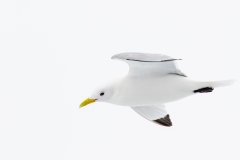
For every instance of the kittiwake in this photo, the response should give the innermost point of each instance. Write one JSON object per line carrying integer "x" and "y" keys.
{"x": 152, "y": 81}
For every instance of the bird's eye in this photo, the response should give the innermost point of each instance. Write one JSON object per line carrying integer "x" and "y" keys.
{"x": 102, "y": 93}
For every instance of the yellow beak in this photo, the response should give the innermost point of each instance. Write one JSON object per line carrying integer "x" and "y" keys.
{"x": 86, "y": 102}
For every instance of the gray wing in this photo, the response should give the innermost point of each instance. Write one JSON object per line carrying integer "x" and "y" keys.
{"x": 155, "y": 113}
{"x": 149, "y": 64}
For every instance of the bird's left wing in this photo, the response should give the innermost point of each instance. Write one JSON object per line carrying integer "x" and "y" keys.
{"x": 146, "y": 64}
{"x": 154, "y": 113}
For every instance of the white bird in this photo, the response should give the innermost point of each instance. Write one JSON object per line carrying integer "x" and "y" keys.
{"x": 152, "y": 81}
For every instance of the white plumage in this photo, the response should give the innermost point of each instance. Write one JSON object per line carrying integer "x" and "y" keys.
{"x": 152, "y": 81}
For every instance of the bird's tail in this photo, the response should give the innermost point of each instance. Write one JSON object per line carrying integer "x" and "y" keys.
{"x": 215, "y": 84}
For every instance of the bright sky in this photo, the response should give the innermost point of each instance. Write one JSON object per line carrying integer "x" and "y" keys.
{"x": 53, "y": 53}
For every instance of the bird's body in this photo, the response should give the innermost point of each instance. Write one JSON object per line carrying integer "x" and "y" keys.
{"x": 152, "y": 81}
{"x": 133, "y": 91}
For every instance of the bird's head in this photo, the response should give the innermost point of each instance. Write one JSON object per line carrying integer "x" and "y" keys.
{"x": 101, "y": 94}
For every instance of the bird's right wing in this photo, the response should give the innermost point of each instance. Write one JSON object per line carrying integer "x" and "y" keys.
{"x": 146, "y": 64}
{"x": 154, "y": 113}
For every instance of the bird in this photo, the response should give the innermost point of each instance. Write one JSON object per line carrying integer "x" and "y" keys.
{"x": 152, "y": 81}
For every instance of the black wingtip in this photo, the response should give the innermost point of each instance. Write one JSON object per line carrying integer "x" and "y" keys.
{"x": 166, "y": 121}
{"x": 203, "y": 90}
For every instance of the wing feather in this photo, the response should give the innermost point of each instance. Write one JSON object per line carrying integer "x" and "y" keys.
{"x": 146, "y": 64}
{"x": 154, "y": 113}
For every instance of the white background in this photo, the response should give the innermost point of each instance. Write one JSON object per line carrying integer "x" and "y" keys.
{"x": 53, "y": 53}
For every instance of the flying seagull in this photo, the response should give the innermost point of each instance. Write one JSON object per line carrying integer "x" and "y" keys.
{"x": 152, "y": 81}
